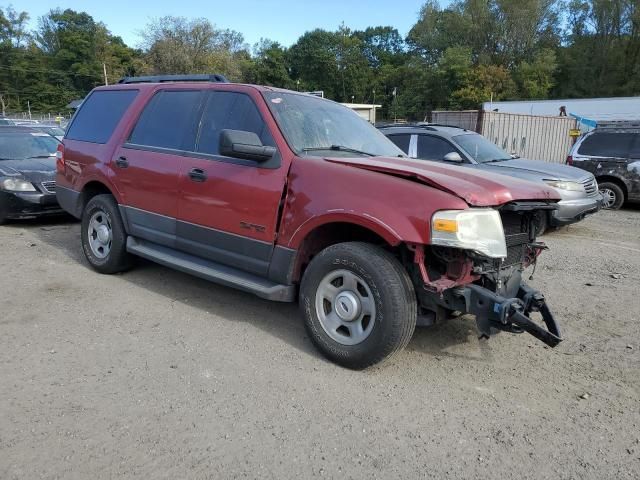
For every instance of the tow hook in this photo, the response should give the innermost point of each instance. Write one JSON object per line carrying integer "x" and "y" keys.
{"x": 511, "y": 314}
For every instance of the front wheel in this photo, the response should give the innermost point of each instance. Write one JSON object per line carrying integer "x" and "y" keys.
{"x": 612, "y": 195}
{"x": 103, "y": 235}
{"x": 359, "y": 304}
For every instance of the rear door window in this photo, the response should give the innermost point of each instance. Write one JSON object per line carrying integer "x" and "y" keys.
{"x": 231, "y": 111}
{"x": 402, "y": 141}
{"x": 607, "y": 144}
{"x": 169, "y": 120}
{"x": 99, "y": 115}
{"x": 635, "y": 148}
{"x": 433, "y": 148}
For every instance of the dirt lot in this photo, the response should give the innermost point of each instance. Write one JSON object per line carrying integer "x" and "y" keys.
{"x": 155, "y": 374}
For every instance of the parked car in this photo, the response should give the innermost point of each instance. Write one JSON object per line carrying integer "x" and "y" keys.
{"x": 612, "y": 154}
{"x": 577, "y": 189}
{"x": 290, "y": 196}
{"x": 27, "y": 173}
{"x": 6, "y": 121}
{"x": 52, "y": 130}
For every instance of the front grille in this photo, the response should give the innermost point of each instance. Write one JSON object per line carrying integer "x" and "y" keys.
{"x": 516, "y": 232}
{"x": 590, "y": 186}
{"x": 49, "y": 187}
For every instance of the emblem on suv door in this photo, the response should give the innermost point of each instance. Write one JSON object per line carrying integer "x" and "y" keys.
{"x": 253, "y": 226}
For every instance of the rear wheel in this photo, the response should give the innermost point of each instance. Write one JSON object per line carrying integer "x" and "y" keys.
{"x": 359, "y": 304}
{"x": 103, "y": 236}
{"x": 612, "y": 195}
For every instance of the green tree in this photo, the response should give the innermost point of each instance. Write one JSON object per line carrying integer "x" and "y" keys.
{"x": 179, "y": 45}
{"x": 271, "y": 65}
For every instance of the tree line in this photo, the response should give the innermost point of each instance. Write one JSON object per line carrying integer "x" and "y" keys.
{"x": 454, "y": 57}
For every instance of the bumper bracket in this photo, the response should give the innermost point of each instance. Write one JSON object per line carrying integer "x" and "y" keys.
{"x": 512, "y": 314}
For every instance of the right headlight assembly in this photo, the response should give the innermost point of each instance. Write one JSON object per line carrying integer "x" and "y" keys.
{"x": 477, "y": 229}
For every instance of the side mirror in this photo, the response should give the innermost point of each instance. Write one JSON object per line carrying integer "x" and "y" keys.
{"x": 453, "y": 157}
{"x": 247, "y": 145}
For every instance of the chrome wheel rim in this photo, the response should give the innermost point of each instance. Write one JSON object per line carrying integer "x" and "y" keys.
{"x": 608, "y": 198}
{"x": 100, "y": 234}
{"x": 345, "y": 307}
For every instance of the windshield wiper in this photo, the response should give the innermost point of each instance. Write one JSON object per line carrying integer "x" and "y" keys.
{"x": 498, "y": 160}
{"x": 338, "y": 148}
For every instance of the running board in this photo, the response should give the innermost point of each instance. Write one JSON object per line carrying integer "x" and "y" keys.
{"x": 214, "y": 272}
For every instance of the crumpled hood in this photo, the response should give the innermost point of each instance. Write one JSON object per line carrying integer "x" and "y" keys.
{"x": 544, "y": 170}
{"x": 32, "y": 169}
{"x": 477, "y": 188}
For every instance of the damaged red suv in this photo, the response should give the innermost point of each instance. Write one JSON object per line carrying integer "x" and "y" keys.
{"x": 293, "y": 197}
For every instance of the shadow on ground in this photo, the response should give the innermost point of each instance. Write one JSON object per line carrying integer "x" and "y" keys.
{"x": 282, "y": 320}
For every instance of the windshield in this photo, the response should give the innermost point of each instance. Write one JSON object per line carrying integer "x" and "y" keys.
{"x": 481, "y": 149}
{"x": 56, "y": 131}
{"x": 314, "y": 126}
{"x": 21, "y": 145}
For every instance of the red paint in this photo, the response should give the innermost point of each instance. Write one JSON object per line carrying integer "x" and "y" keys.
{"x": 393, "y": 197}
{"x": 476, "y": 188}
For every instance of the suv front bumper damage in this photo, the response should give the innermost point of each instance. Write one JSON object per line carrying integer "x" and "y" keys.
{"x": 511, "y": 314}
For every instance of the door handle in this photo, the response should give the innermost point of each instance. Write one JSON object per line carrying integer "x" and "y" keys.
{"x": 197, "y": 175}
{"x": 122, "y": 162}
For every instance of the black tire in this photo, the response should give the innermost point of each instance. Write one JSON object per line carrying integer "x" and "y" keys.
{"x": 117, "y": 259}
{"x": 541, "y": 222}
{"x": 615, "y": 191}
{"x": 394, "y": 299}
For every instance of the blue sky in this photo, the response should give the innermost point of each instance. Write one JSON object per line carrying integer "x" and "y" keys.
{"x": 280, "y": 20}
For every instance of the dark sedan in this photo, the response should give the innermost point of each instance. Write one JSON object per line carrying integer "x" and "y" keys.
{"x": 27, "y": 173}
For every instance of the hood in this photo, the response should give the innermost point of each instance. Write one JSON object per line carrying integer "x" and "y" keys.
{"x": 475, "y": 187}
{"x": 543, "y": 170}
{"x": 32, "y": 169}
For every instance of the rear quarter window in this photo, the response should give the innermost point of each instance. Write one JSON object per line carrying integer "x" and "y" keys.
{"x": 402, "y": 141}
{"x": 99, "y": 115}
{"x": 607, "y": 144}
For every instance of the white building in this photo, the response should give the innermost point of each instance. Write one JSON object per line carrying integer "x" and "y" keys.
{"x": 365, "y": 110}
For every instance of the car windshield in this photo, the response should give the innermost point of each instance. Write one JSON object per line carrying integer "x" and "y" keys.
{"x": 481, "y": 149}
{"x": 54, "y": 131}
{"x": 21, "y": 145}
{"x": 314, "y": 126}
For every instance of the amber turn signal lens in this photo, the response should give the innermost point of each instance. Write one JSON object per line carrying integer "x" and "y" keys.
{"x": 442, "y": 225}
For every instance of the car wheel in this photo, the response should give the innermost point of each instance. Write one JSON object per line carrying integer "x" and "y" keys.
{"x": 103, "y": 236}
{"x": 612, "y": 195}
{"x": 359, "y": 304}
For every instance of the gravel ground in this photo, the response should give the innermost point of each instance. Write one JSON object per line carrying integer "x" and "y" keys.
{"x": 155, "y": 374}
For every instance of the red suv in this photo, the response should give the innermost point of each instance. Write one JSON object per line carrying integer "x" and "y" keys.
{"x": 293, "y": 197}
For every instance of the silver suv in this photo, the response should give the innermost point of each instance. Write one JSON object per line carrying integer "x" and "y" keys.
{"x": 453, "y": 145}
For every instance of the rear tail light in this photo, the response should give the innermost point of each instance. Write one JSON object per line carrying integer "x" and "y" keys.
{"x": 60, "y": 158}
{"x": 570, "y": 160}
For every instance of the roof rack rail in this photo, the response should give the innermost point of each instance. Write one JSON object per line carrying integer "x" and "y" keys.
{"x": 611, "y": 124}
{"x": 214, "y": 78}
{"x": 423, "y": 125}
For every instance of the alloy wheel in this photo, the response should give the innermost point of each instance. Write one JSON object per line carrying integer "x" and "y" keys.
{"x": 345, "y": 307}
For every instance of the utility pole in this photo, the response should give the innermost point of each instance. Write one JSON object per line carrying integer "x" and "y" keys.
{"x": 104, "y": 70}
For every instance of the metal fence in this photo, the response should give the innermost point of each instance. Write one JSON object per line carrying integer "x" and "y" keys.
{"x": 530, "y": 136}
